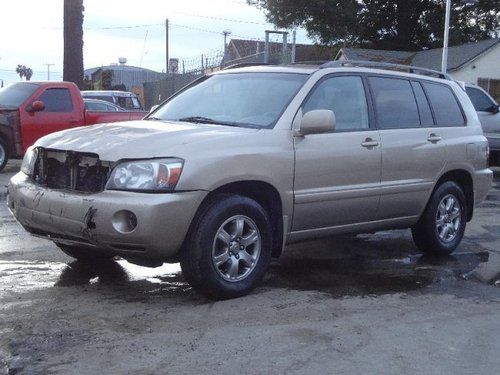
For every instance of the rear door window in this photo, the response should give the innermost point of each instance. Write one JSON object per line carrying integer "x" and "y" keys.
{"x": 57, "y": 100}
{"x": 395, "y": 104}
{"x": 424, "y": 109}
{"x": 444, "y": 104}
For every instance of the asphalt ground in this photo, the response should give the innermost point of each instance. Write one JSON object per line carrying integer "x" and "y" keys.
{"x": 347, "y": 305}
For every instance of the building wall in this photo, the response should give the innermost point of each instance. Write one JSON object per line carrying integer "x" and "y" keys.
{"x": 486, "y": 66}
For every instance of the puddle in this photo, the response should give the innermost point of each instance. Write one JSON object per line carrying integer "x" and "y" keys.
{"x": 359, "y": 275}
{"x": 338, "y": 276}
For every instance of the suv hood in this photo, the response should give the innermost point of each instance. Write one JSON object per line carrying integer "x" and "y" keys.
{"x": 140, "y": 139}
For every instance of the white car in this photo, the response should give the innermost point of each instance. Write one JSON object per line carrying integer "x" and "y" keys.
{"x": 489, "y": 115}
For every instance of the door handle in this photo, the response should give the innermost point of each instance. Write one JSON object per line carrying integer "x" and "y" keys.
{"x": 369, "y": 143}
{"x": 434, "y": 138}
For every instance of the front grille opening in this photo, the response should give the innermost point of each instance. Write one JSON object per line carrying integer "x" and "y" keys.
{"x": 69, "y": 170}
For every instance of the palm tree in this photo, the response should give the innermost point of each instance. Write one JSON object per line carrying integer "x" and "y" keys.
{"x": 24, "y": 71}
{"x": 28, "y": 72}
{"x": 73, "y": 41}
{"x": 20, "y": 70}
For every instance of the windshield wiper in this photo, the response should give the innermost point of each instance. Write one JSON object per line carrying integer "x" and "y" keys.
{"x": 207, "y": 120}
{"x": 153, "y": 118}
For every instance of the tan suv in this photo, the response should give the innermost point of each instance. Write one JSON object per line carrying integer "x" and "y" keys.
{"x": 233, "y": 167}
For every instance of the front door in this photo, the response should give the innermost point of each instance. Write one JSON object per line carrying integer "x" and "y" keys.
{"x": 337, "y": 175}
{"x": 60, "y": 113}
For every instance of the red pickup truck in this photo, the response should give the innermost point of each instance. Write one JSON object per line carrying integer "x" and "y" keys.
{"x": 30, "y": 110}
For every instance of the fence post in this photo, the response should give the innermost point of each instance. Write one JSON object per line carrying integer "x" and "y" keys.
{"x": 266, "y": 49}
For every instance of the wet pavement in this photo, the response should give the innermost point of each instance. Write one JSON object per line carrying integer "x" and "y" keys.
{"x": 364, "y": 304}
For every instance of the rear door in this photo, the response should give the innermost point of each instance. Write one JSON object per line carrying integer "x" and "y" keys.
{"x": 62, "y": 111}
{"x": 337, "y": 175}
{"x": 413, "y": 150}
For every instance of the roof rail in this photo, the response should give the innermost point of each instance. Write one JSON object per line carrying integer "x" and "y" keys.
{"x": 244, "y": 65}
{"x": 388, "y": 66}
{"x": 310, "y": 62}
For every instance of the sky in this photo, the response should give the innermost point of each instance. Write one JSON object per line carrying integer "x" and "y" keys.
{"x": 32, "y": 35}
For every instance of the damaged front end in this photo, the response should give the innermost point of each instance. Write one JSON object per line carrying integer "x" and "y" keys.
{"x": 69, "y": 170}
{"x": 66, "y": 197}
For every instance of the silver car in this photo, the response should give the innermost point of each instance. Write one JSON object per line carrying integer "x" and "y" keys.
{"x": 489, "y": 115}
{"x": 242, "y": 162}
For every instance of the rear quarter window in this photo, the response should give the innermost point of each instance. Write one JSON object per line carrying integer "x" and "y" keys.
{"x": 445, "y": 105}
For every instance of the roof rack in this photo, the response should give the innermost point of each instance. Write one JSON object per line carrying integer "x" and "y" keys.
{"x": 388, "y": 66}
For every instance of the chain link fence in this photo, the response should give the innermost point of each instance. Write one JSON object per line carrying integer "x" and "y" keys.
{"x": 194, "y": 68}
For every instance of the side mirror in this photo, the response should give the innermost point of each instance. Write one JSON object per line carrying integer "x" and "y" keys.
{"x": 153, "y": 108}
{"x": 317, "y": 121}
{"x": 494, "y": 109}
{"x": 36, "y": 106}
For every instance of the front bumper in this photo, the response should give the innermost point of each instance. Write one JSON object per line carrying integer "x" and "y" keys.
{"x": 493, "y": 141}
{"x": 90, "y": 220}
{"x": 483, "y": 179}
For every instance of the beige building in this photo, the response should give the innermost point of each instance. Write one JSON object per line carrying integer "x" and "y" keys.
{"x": 477, "y": 63}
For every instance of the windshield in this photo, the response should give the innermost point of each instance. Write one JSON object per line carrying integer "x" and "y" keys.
{"x": 128, "y": 102}
{"x": 239, "y": 99}
{"x": 16, "y": 94}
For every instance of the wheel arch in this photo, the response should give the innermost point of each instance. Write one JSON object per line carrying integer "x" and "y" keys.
{"x": 263, "y": 193}
{"x": 462, "y": 178}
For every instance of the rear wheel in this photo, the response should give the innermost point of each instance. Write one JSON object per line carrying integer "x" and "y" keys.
{"x": 83, "y": 254}
{"x": 442, "y": 226}
{"x": 4, "y": 155}
{"x": 228, "y": 249}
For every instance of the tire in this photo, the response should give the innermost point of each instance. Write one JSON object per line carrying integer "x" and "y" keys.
{"x": 4, "y": 154}
{"x": 441, "y": 228}
{"x": 495, "y": 159}
{"x": 83, "y": 254}
{"x": 242, "y": 251}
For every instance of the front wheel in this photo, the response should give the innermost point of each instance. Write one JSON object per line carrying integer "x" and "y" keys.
{"x": 442, "y": 225}
{"x": 228, "y": 249}
{"x": 4, "y": 155}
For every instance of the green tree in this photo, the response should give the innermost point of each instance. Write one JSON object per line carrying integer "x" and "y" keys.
{"x": 385, "y": 24}
{"x": 106, "y": 80}
{"x": 73, "y": 42}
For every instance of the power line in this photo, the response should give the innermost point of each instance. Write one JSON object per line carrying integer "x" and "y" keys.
{"x": 223, "y": 19}
{"x": 208, "y": 31}
{"x": 34, "y": 71}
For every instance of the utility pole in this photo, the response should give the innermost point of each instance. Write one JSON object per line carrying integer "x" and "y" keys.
{"x": 444, "y": 60}
{"x": 48, "y": 70}
{"x": 446, "y": 37}
{"x": 226, "y": 33}
{"x": 166, "y": 46}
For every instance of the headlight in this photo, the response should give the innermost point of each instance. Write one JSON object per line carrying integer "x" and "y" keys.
{"x": 159, "y": 175}
{"x": 29, "y": 161}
